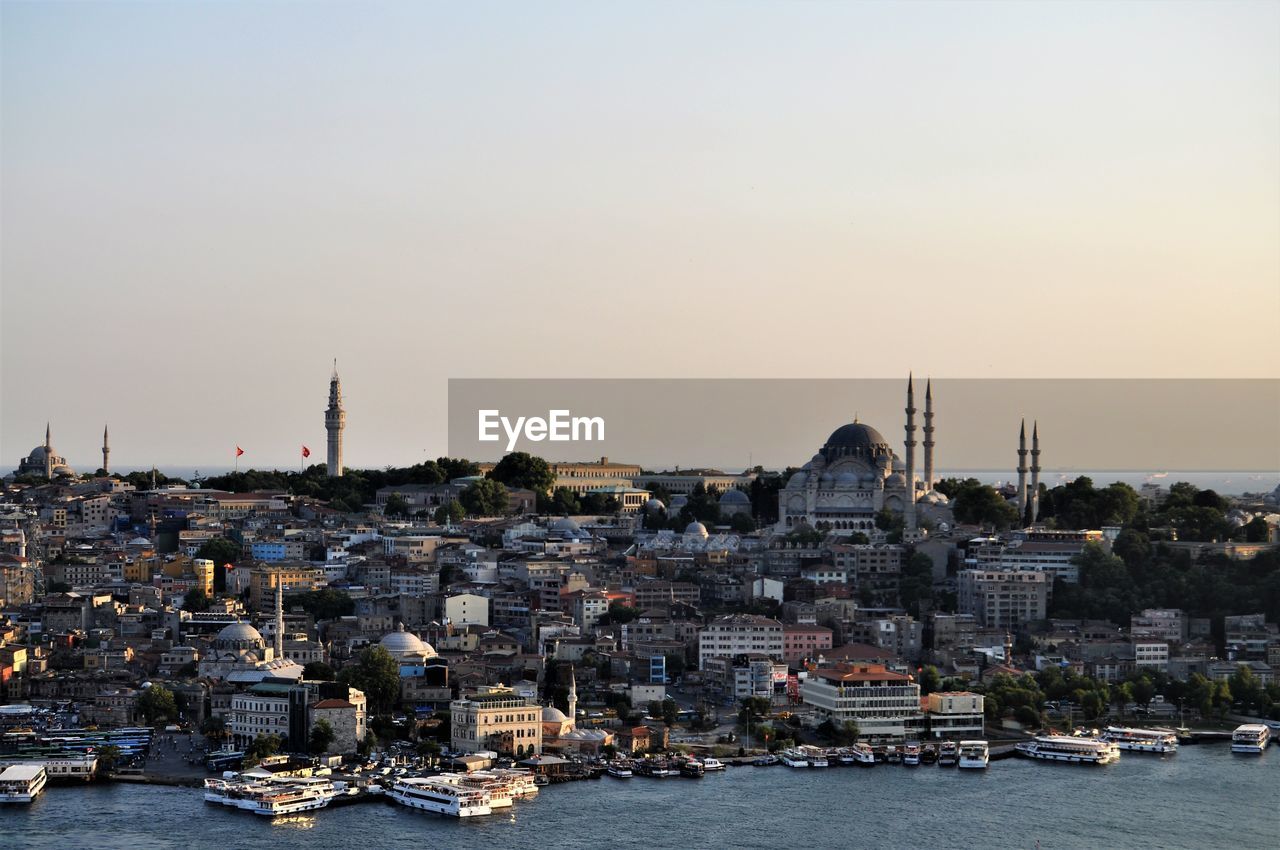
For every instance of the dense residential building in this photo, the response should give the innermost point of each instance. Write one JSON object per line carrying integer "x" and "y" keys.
{"x": 804, "y": 641}
{"x": 1004, "y": 599}
{"x": 740, "y": 634}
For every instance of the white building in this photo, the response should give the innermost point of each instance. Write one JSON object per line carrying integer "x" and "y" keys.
{"x": 740, "y": 634}
{"x": 1151, "y": 654}
{"x": 467, "y": 609}
{"x": 884, "y": 704}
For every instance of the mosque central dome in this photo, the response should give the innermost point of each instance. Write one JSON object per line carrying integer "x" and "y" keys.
{"x": 856, "y": 435}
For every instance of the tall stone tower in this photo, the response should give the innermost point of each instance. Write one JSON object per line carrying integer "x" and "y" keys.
{"x": 910, "y": 444}
{"x": 1022, "y": 473}
{"x": 928, "y": 435}
{"x": 1035, "y": 471}
{"x": 106, "y": 452}
{"x": 335, "y": 419}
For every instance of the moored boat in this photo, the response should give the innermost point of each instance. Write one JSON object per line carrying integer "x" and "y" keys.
{"x": 440, "y": 797}
{"x": 974, "y": 755}
{"x": 793, "y": 758}
{"x": 948, "y": 754}
{"x": 271, "y": 797}
{"x": 816, "y": 756}
{"x": 22, "y": 783}
{"x": 1069, "y": 748}
{"x": 711, "y": 764}
{"x": 1250, "y": 738}
{"x": 911, "y": 755}
{"x": 619, "y": 770}
{"x": 1142, "y": 740}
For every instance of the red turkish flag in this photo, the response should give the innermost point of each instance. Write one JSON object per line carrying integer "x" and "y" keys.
{"x": 306, "y": 452}
{"x": 239, "y": 451}
{"x": 228, "y": 567}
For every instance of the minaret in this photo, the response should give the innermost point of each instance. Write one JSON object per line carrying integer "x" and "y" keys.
{"x": 1035, "y": 471}
{"x": 573, "y": 696}
{"x": 928, "y": 435}
{"x": 335, "y": 419}
{"x": 1022, "y": 473}
{"x": 910, "y": 518}
{"x": 279, "y": 642}
{"x": 48, "y": 452}
{"x": 106, "y": 452}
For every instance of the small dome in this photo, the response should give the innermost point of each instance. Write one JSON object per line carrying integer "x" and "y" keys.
{"x": 825, "y": 479}
{"x": 696, "y": 529}
{"x": 654, "y": 506}
{"x": 797, "y": 480}
{"x": 402, "y": 644}
{"x": 551, "y": 714}
{"x": 678, "y": 502}
{"x": 734, "y": 496}
{"x": 896, "y": 481}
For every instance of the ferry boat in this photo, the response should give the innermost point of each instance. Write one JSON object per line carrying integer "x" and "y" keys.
{"x": 911, "y": 755}
{"x": 974, "y": 755}
{"x": 22, "y": 783}
{"x": 862, "y": 755}
{"x": 793, "y": 758}
{"x": 440, "y": 797}
{"x": 816, "y": 756}
{"x": 273, "y": 796}
{"x": 502, "y": 788}
{"x": 1251, "y": 738}
{"x": 1071, "y": 749}
{"x": 948, "y": 754}
{"x": 619, "y": 770}
{"x": 692, "y": 768}
{"x": 1142, "y": 740}
{"x": 766, "y": 760}
{"x": 710, "y": 764}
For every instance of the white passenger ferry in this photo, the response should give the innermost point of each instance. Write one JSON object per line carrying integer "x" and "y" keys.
{"x": 816, "y": 756}
{"x": 443, "y": 798}
{"x": 911, "y": 754}
{"x": 273, "y": 796}
{"x": 793, "y": 758}
{"x": 1251, "y": 738}
{"x": 974, "y": 755}
{"x": 1070, "y": 749}
{"x": 22, "y": 783}
{"x": 503, "y": 786}
{"x": 1142, "y": 740}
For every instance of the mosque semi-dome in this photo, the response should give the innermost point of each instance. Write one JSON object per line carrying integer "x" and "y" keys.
{"x": 734, "y": 496}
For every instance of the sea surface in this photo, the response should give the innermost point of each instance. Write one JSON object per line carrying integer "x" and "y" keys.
{"x": 1202, "y": 797}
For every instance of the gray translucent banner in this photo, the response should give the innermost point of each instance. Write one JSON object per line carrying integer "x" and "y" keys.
{"x": 732, "y": 424}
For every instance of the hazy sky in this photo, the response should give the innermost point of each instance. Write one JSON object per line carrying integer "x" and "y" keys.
{"x": 204, "y": 203}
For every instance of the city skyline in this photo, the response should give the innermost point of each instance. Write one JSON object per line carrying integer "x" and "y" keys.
{"x": 823, "y": 191}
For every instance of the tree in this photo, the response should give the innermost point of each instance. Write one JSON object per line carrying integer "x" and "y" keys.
{"x": 322, "y": 736}
{"x": 318, "y": 671}
{"x": 521, "y": 469}
{"x": 377, "y": 674}
{"x": 484, "y": 498}
{"x": 213, "y": 727}
{"x": 157, "y": 704}
{"x": 324, "y": 604}
{"x": 108, "y": 759}
{"x": 396, "y": 506}
{"x": 221, "y": 551}
{"x": 195, "y": 600}
{"x": 263, "y": 746}
{"x": 742, "y": 523}
{"x": 929, "y": 680}
{"x": 450, "y": 513}
{"x": 982, "y": 505}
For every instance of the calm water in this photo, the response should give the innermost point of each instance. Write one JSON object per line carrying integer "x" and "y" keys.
{"x": 1202, "y": 797}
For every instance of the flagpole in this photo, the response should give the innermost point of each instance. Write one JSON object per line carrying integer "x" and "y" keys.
{"x": 237, "y": 459}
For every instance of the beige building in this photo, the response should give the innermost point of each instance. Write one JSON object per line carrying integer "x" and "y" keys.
{"x": 955, "y": 715}
{"x": 347, "y": 718}
{"x": 498, "y": 720}
{"x": 296, "y": 579}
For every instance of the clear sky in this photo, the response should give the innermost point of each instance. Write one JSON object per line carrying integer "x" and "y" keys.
{"x": 204, "y": 203}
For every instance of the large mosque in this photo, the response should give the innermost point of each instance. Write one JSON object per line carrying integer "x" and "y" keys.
{"x": 44, "y": 462}
{"x": 856, "y": 474}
